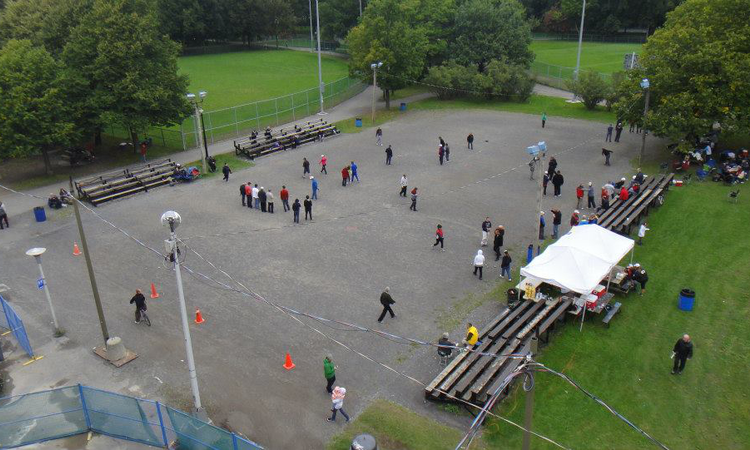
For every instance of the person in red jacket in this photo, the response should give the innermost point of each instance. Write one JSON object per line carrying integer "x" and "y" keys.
{"x": 574, "y": 218}
{"x": 579, "y": 195}
{"x": 439, "y": 237}
{"x": 623, "y": 194}
{"x": 284, "y": 194}
{"x": 344, "y": 176}
{"x": 249, "y": 194}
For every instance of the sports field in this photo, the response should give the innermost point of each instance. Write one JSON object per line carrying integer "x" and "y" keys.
{"x": 242, "y": 77}
{"x": 598, "y": 56}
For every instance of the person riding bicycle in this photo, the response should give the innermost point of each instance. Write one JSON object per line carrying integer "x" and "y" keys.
{"x": 140, "y": 304}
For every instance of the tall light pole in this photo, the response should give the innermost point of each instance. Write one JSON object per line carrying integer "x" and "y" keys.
{"x": 374, "y": 67}
{"x": 172, "y": 220}
{"x": 37, "y": 253}
{"x": 312, "y": 46}
{"x": 198, "y": 119}
{"x": 360, "y": 8}
{"x": 580, "y": 44}
{"x": 645, "y": 84}
{"x": 321, "y": 86}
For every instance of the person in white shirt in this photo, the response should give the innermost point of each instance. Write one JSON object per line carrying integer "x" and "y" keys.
{"x": 404, "y": 182}
{"x": 254, "y": 194}
{"x": 642, "y": 232}
{"x": 478, "y": 263}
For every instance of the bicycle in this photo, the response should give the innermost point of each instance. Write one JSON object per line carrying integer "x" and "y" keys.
{"x": 144, "y": 317}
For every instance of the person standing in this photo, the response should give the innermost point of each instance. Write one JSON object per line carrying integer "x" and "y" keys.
{"x": 607, "y": 154}
{"x": 354, "y": 174}
{"x": 441, "y": 154}
{"x": 442, "y": 142}
{"x": 386, "y": 300}
{"x": 243, "y": 193}
{"x": 329, "y": 371}
{"x": 478, "y": 263}
{"x": 486, "y": 227}
{"x": 388, "y": 155}
{"x": 337, "y": 399}
{"x": 557, "y": 182}
{"x": 255, "y": 194}
{"x": 544, "y": 118}
{"x": 439, "y": 237}
{"x": 140, "y": 304}
{"x": 3, "y": 217}
{"x": 447, "y": 151}
{"x": 642, "y": 232}
{"x": 269, "y": 196}
{"x": 618, "y": 131}
{"x": 404, "y": 182}
{"x": 144, "y": 148}
{"x": 591, "y": 196}
{"x": 295, "y": 209}
{"x": 226, "y": 171}
{"x": 608, "y": 138}
{"x": 262, "y": 197}
{"x": 314, "y": 188}
{"x": 308, "y": 208}
{"x": 305, "y": 167}
{"x": 556, "y": 221}
{"x": 579, "y": 195}
{"x": 552, "y": 165}
{"x": 323, "y": 163}
{"x": 414, "y": 196}
{"x": 379, "y": 136}
{"x": 545, "y": 182}
{"x": 249, "y": 194}
{"x": 284, "y": 194}
{"x": 542, "y": 223}
{"x": 498, "y": 241}
{"x": 344, "y": 176}
{"x": 605, "y": 200}
{"x": 681, "y": 352}
{"x": 505, "y": 265}
{"x": 470, "y": 141}
{"x": 575, "y": 218}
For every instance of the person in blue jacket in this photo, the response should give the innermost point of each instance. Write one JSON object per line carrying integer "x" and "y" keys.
{"x": 314, "y": 188}
{"x": 354, "y": 172}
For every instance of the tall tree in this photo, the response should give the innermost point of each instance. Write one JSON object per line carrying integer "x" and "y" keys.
{"x": 698, "y": 66}
{"x": 128, "y": 67}
{"x": 491, "y": 29}
{"x": 390, "y": 33}
{"x": 46, "y": 23}
{"x": 278, "y": 18}
{"x": 33, "y": 108}
{"x": 337, "y": 17}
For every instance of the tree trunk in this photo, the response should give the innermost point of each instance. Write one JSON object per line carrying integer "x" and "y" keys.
{"x": 134, "y": 139}
{"x": 98, "y": 137}
{"x": 47, "y": 163}
{"x": 387, "y": 98}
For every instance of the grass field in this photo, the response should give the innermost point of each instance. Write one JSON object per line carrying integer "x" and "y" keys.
{"x": 695, "y": 242}
{"x": 597, "y": 56}
{"x": 242, "y": 77}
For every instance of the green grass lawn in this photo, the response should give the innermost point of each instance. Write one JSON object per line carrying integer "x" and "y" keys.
{"x": 242, "y": 77}
{"x": 598, "y": 56}
{"x": 698, "y": 239}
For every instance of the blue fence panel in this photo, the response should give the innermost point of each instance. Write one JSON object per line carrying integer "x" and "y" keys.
{"x": 41, "y": 416}
{"x": 244, "y": 444}
{"x": 15, "y": 325}
{"x": 193, "y": 434}
{"x": 122, "y": 416}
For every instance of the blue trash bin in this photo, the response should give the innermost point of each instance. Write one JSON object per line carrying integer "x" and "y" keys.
{"x": 357, "y": 122}
{"x": 39, "y": 213}
{"x": 686, "y": 300}
{"x": 402, "y": 107}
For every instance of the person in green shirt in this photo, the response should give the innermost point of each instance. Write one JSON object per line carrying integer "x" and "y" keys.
{"x": 544, "y": 118}
{"x": 329, "y": 370}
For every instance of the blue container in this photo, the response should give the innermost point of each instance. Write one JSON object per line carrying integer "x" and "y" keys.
{"x": 357, "y": 122}
{"x": 39, "y": 213}
{"x": 402, "y": 107}
{"x": 686, "y": 300}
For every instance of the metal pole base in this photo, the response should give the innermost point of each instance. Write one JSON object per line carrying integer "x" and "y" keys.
{"x": 201, "y": 414}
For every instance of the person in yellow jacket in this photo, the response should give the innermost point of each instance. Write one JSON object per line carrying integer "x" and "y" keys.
{"x": 472, "y": 335}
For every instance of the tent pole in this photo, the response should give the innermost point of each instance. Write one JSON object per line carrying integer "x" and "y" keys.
{"x": 632, "y": 250}
{"x": 583, "y": 316}
{"x": 609, "y": 279}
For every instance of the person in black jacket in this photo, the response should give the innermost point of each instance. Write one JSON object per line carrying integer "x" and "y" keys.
{"x": 556, "y": 221}
{"x": 308, "y": 207}
{"x": 295, "y": 209}
{"x": 262, "y": 198}
{"x": 552, "y": 166}
{"x": 498, "y": 242}
{"x": 140, "y": 305}
{"x": 682, "y": 351}
{"x": 641, "y": 277}
{"x": 226, "y": 171}
{"x": 557, "y": 182}
{"x": 386, "y": 300}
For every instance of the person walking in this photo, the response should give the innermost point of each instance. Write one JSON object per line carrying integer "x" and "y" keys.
{"x": 608, "y": 138}
{"x": 329, "y": 371}
{"x": 544, "y": 118}
{"x": 642, "y": 232}
{"x": 618, "y": 131}
{"x": 497, "y": 243}
{"x": 315, "y": 189}
{"x": 591, "y": 196}
{"x": 305, "y": 167}
{"x": 344, "y": 176}
{"x": 3, "y": 217}
{"x": 337, "y": 399}
{"x": 442, "y": 142}
{"x": 486, "y": 227}
{"x": 447, "y": 152}
{"x": 354, "y": 174}
{"x": 226, "y": 171}
{"x": 140, "y": 304}
{"x": 478, "y": 263}
{"x": 404, "y": 183}
{"x": 323, "y": 163}
{"x": 557, "y": 182}
{"x": 284, "y": 195}
{"x": 575, "y": 218}
{"x": 386, "y": 300}
{"x": 505, "y": 265}
{"x": 243, "y": 192}
{"x": 269, "y": 196}
{"x": 579, "y": 195}
{"x": 607, "y": 154}
{"x": 308, "y": 208}
{"x": 556, "y": 221}
{"x": 414, "y": 196}
{"x": 545, "y": 182}
{"x": 295, "y": 209}
{"x": 439, "y": 237}
{"x": 388, "y": 155}
{"x": 470, "y": 141}
{"x": 681, "y": 352}
{"x": 542, "y": 223}
{"x": 441, "y": 154}
{"x": 379, "y": 136}
{"x": 256, "y": 196}
{"x": 262, "y": 197}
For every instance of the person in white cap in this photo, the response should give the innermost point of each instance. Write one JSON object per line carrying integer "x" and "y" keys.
{"x": 337, "y": 399}
{"x": 478, "y": 263}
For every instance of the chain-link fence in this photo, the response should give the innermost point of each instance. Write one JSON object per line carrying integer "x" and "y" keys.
{"x": 557, "y": 76}
{"x": 303, "y": 42}
{"x": 68, "y": 411}
{"x": 634, "y": 38}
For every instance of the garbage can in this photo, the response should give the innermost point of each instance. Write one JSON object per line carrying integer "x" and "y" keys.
{"x": 402, "y": 107}
{"x": 358, "y": 122}
{"x": 39, "y": 213}
{"x": 686, "y": 300}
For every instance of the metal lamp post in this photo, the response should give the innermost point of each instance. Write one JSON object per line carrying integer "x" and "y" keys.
{"x": 198, "y": 120}
{"x": 37, "y": 253}
{"x": 645, "y": 85}
{"x": 374, "y": 67}
{"x": 309, "y": 4}
{"x": 580, "y": 43}
{"x": 321, "y": 86}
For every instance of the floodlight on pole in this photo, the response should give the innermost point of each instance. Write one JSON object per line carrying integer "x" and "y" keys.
{"x": 321, "y": 86}
{"x": 374, "y": 67}
{"x": 37, "y": 253}
{"x": 646, "y": 86}
{"x": 580, "y": 44}
{"x": 200, "y": 135}
{"x": 312, "y": 40}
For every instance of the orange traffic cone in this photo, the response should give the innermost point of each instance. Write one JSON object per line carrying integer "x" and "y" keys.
{"x": 154, "y": 294}
{"x": 76, "y": 251}
{"x": 198, "y": 316}
{"x": 288, "y": 365}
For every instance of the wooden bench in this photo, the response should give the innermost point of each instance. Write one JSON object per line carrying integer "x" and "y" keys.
{"x": 642, "y": 209}
{"x": 619, "y": 208}
{"x": 552, "y": 319}
{"x": 261, "y": 146}
{"x": 611, "y": 313}
{"x": 113, "y": 185}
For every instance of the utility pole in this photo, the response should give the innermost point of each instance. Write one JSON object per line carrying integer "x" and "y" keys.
{"x": 37, "y": 253}
{"x": 360, "y": 8}
{"x": 645, "y": 84}
{"x": 529, "y": 409}
{"x": 580, "y": 44}
{"x": 374, "y": 67}
{"x": 198, "y": 119}
{"x": 321, "y": 86}
{"x": 543, "y": 149}
{"x": 312, "y": 40}
{"x": 90, "y": 267}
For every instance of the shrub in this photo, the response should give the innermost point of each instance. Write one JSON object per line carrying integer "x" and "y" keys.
{"x": 499, "y": 80}
{"x": 590, "y": 87}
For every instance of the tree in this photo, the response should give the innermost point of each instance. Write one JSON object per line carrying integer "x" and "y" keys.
{"x": 389, "y": 33}
{"x": 337, "y": 17}
{"x": 126, "y": 68}
{"x": 491, "y": 29}
{"x": 279, "y": 18}
{"x": 33, "y": 112}
{"x": 698, "y": 67}
{"x": 590, "y": 87}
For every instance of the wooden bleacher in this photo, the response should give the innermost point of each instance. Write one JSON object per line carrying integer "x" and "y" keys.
{"x": 262, "y": 145}
{"x": 121, "y": 183}
{"x": 621, "y": 216}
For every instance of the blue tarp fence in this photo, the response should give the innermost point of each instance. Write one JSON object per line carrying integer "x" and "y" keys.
{"x": 15, "y": 325}
{"x": 67, "y": 411}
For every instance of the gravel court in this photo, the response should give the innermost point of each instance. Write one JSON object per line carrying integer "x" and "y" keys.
{"x": 363, "y": 238}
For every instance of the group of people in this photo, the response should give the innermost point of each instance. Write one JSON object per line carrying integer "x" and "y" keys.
{"x": 262, "y": 199}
